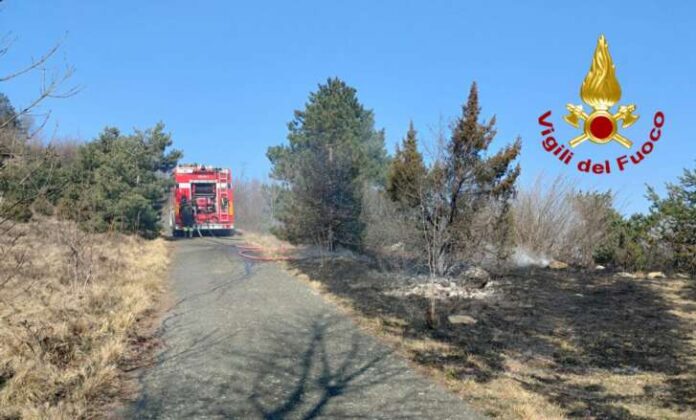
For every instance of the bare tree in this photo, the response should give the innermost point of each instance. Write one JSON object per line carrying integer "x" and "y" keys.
{"x": 20, "y": 155}
{"x": 53, "y": 82}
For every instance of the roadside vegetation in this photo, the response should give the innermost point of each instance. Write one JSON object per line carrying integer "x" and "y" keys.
{"x": 79, "y": 273}
{"x": 71, "y": 307}
{"x": 537, "y": 302}
{"x": 334, "y": 186}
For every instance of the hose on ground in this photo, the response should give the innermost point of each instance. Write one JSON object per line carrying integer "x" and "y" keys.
{"x": 248, "y": 250}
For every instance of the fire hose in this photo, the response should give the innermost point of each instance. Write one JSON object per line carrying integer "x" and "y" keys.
{"x": 252, "y": 251}
{"x": 258, "y": 253}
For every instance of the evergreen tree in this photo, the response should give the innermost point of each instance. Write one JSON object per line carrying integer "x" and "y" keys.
{"x": 118, "y": 182}
{"x": 12, "y": 133}
{"x": 406, "y": 171}
{"x": 8, "y": 115}
{"x": 676, "y": 220}
{"x": 333, "y": 149}
{"x": 465, "y": 182}
{"x": 665, "y": 238}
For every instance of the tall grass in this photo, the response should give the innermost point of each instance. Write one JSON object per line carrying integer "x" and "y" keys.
{"x": 67, "y": 313}
{"x": 553, "y": 219}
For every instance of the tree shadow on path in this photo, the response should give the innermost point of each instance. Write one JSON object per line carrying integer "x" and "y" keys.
{"x": 320, "y": 366}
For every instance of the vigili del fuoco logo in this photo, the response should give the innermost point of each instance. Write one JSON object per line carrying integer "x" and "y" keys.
{"x": 599, "y": 125}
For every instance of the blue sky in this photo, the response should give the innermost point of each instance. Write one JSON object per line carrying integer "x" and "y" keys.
{"x": 225, "y": 76}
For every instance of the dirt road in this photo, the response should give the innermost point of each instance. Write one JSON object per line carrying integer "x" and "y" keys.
{"x": 249, "y": 341}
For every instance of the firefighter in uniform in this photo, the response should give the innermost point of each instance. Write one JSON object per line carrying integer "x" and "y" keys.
{"x": 187, "y": 217}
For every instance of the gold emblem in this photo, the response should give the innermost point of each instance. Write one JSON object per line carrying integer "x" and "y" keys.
{"x": 601, "y": 90}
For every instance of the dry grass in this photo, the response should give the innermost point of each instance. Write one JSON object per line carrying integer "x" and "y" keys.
{"x": 69, "y": 316}
{"x": 553, "y": 219}
{"x": 552, "y": 344}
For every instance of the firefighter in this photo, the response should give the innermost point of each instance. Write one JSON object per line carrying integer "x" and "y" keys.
{"x": 187, "y": 217}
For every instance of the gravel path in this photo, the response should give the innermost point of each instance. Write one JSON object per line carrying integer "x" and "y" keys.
{"x": 249, "y": 341}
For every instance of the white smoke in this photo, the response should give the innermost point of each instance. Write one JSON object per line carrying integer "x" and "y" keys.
{"x": 524, "y": 258}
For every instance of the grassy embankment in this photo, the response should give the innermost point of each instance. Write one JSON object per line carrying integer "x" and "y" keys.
{"x": 72, "y": 309}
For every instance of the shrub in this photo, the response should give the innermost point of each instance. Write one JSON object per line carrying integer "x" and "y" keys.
{"x": 555, "y": 220}
{"x": 663, "y": 239}
{"x": 465, "y": 196}
{"x": 675, "y": 220}
{"x": 119, "y": 182}
{"x": 393, "y": 233}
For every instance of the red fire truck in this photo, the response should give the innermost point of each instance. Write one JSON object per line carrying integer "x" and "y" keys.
{"x": 209, "y": 190}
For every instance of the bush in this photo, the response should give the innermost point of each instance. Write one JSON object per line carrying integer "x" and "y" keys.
{"x": 629, "y": 245}
{"x": 675, "y": 220}
{"x": 28, "y": 173}
{"x": 664, "y": 239}
{"x": 113, "y": 183}
{"x": 119, "y": 182}
{"x": 392, "y": 233}
{"x": 554, "y": 220}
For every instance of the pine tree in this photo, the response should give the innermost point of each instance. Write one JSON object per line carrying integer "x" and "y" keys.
{"x": 406, "y": 171}
{"x": 117, "y": 181}
{"x": 333, "y": 150}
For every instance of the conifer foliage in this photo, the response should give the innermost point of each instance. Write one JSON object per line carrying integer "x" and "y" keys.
{"x": 119, "y": 182}
{"x": 407, "y": 171}
{"x": 464, "y": 196}
{"x": 464, "y": 183}
{"x": 674, "y": 220}
{"x": 333, "y": 150}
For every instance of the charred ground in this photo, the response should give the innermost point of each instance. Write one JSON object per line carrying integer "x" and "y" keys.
{"x": 589, "y": 343}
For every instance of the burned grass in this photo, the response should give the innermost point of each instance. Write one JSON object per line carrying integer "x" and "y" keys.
{"x": 70, "y": 309}
{"x": 545, "y": 344}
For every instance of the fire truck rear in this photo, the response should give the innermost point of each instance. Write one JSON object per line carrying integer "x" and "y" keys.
{"x": 209, "y": 191}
